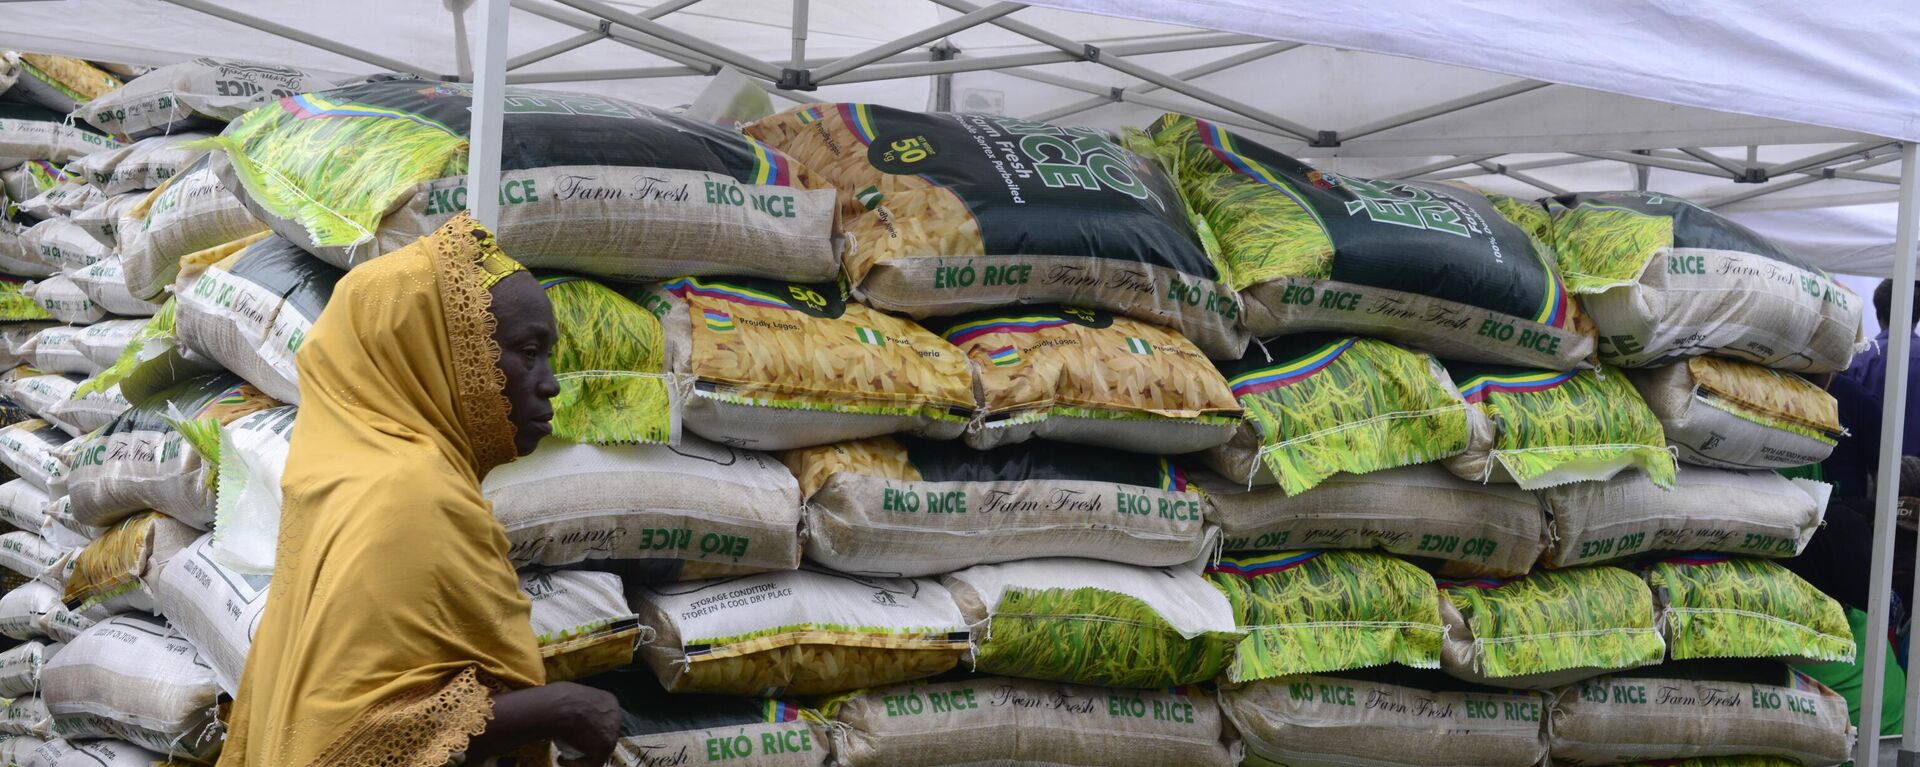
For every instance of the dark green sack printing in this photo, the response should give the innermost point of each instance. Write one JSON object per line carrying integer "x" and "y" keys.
{"x": 588, "y": 184}
{"x": 251, "y": 312}
{"x": 1431, "y": 265}
{"x": 661, "y": 729}
{"x": 950, "y": 213}
{"x": 1665, "y": 279}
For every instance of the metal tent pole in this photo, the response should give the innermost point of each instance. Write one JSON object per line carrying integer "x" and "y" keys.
{"x": 489, "y": 105}
{"x": 1893, "y": 420}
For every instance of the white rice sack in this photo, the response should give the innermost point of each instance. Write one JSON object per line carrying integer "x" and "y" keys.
{"x": 33, "y": 609}
{"x": 61, "y": 536}
{"x": 903, "y": 506}
{"x": 141, "y": 461}
{"x": 1085, "y": 621}
{"x": 661, "y": 729}
{"x": 197, "y": 90}
{"x": 26, "y": 715}
{"x": 61, "y": 200}
{"x": 105, "y": 283}
{"x": 102, "y": 219}
{"x": 29, "y": 554}
{"x": 60, "y": 514}
{"x": 1001, "y": 720}
{"x": 23, "y": 505}
{"x": 582, "y": 622}
{"x": 251, "y": 312}
{"x": 19, "y": 257}
{"x": 15, "y": 750}
{"x": 1390, "y": 717}
{"x": 134, "y": 677}
{"x": 63, "y": 298}
{"x": 43, "y": 396}
{"x": 90, "y": 412}
{"x": 13, "y": 342}
{"x": 33, "y": 451}
{"x": 56, "y": 350}
{"x": 1692, "y": 709}
{"x": 801, "y": 632}
{"x": 190, "y": 213}
{"x": 60, "y": 241}
{"x": 20, "y": 667}
{"x": 102, "y": 342}
{"x": 109, "y": 753}
{"x": 698, "y": 510}
{"x": 1413, "y": 511}
{"x": 1751, "y": 513}
{"x": 143, "y": 164}
{"x": 216, "y": 608}
{"x": 50, "y": 751}
{"x": 24, "y": 140}
{"x": 253, "y": 456}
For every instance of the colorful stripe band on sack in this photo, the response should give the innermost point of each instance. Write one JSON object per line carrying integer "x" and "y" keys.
{"x": 725, "y": 292}
{"x": 859, "y": 121}
{"x": 1477, "y": 388}
{"x": 719, "y": 322}
{"x": 1262, "y": 564}
{"x": 1266, "y": 379}
{"x": 308, "y": 106}
{"x": 1172, "y": 477}
{"x": 769, "y": 167}
{"x": 781, "y": 711}
{"x": 1032, "y": 323}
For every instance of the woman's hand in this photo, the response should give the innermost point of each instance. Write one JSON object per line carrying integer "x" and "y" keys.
{"x": 584, "y": 719}
{"x": 591, "y": 723}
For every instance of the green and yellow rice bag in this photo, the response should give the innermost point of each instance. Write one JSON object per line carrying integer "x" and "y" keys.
{"x": 1541, "y": 428}
{"x": 1309, "y": 612}
{"x": 1089, "y": 376}
{"x": 1084, "y": 621}
{"x": 116, "y": 572}
{"x": 611, "y": 359}
{"x": 1385, "y": 717}
{"x": 1320, "y": 405}
{"x": 1737, "y": 415}
{"x": 1551, "y": 628}
{"x": 1700, "y": 710}
{"x": 777, "y": 366}
{"x": 582, "y": 622}
{"x": 60, "y": 83}
{"x": 158, "y": 454}
{"x": 1665, "y": 279}
{"x": 1725, "y": 607}
{"x": 1430, "y": 265}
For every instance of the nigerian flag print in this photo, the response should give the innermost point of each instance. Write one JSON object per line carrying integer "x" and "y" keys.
{"x": 1138, "y": 346}
{"x": 870, "y": 336}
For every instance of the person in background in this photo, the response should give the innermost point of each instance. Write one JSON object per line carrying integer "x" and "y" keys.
{"x": 395, "y": 632}
{"x": 1860, "y": 390}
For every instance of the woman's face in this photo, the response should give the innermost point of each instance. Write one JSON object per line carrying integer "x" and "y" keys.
{"x": 525, "y": 330}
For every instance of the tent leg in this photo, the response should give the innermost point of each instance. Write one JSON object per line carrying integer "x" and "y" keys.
{"x": 1903, "y": 267}
{"x": 489, "y": 104}
{"x": 1887, "y": 481}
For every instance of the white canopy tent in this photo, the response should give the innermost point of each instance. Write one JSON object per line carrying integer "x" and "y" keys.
{"x": 1790, "y": 117}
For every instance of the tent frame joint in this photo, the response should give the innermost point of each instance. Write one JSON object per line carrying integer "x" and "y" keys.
{"x": 1090, "y": 53}
{"x": 1757, "y": 175}
{"x": 792, "y": 79}
{"x": 1325, "y": 139}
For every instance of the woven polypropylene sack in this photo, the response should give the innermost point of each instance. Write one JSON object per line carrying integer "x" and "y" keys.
{"x": 29, "y": 554}
{"x": 611, "y": 362}
{"x": 1002, "y": 720}
{"x": 937, "y": 223}
{"x": 1693, "y": 709}
{"x": 20, "y": 667}
{"x": 253, "y": 310}
{"x": 905, "y": 506}
{"x": 692, "y": 511}
{"x": 1413, "y": 511}
{"x": 1548, "y": 629}
{"x": 1541, "y": 428}
{"x": 1090, "y": 377}
{"x": 59, "y": 83}
{"x": 42, "y": 395}
{"x": 143, "y": 164}
{"x": 64, "y": 198}
{"x": 33, "y": 451}
{"x": 589, "y": 184}
{"x": 63, "y": 300}
{"x": 214, "y": 607}
{"x": 582, "y": 622}
{"x": 105, "y": 284}
{"x": 136, "y": 678}
{"x": 247, "y": 497}
{"x": 88, "y": 410}
{"x": 1665, "y": 279}
{"x": 118, "y": 571}
{"x": 23, "y": 505}
{"x": 777, "y": 366}
{"x": 194, "y": 91}
{"x": 24, "y": 139}
{"x": 19, "y": 259}
{"x": 1385, "y": 718}
{"x": 101, "y": 220}
{"x": 102, "y": 343}
{"x": 1737, "y": 415}
{"x": 33, "y": 610}
{"x": 1320, "y": 405}
{"x": 1308, "y": 612}
{"x": 1084, "y": 621}
{"x": 1723, "y": 607}
{"x": 56, "y": 349}
{"x": 106, "y": 753}
{"x": 1430, "y": 265}
{"x": 801, "y": 632}
{"x": 26, "y": 715}
{"x": 144, "y": 461}
{"x": 1750, "y": 513}
{"x": 658, "y": 728}
{"x": 189, "y": 213}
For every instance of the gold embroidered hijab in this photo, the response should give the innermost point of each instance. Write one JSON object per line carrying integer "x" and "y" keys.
{"x": 393, "y": 612}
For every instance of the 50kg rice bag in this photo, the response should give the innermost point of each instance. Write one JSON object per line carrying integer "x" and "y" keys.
{"x": 56, "y": 349}
{"x": 1665, "y": 279}
{"x": 1001, "y": 720}
{"x": 905, "y": 506}
{"x": 15, "y": 304}
{"x": 33, "y": 451}
{"x": 1320, "y": 405}
{"x": 1084, "y": 621}
{"x": 1540, "y": 428}
{"x": 26, "y": 715}
{"x": 197, "y": 90}
{"x": 251, "y": 311}
{"x": 1385, "y": 718}
{"x": 1721, "y": 607}
{"x": 43, "y": 396}
{"x": 143, "y": 164}
{"x": 143, "y": 461}
{"x": 658, "y": 729}
{"x": 1413, "y": 511}
{"x": 22, "y": 505}
{"x": 105, "y": 283}
{"x": 89, "y": 411}
{"x": 30, "y": 555}
{"x": 134, "y": 677}
{"x": 1309, "y": 612}
{"x": 116, "y": 572}
{"x": 611, "y": 361}
{"x": 214, "y": 607}
{"x": 27, "y": 135}
{"x": 780, "y": 366}
{"x": 801, "y": 633}
{"x": 1756, "y": 513}
{"x": 1551, "y": 628}
{"x": 589, "y": 184}
{"x": 101, "y": 343}
{"x": 582, "y": 622}
{"x": 62, "y": 242}
{"x": 19, "y": 259}
{"x": 20, "y": 667}
{"x": 63, "y": 300}
{"x": 62, "y": 200}
{"x": 947, "y": 213}
{"x": 189, "y": 213}
{"x": 1737, "y": 415}
{"x": 1700, "y": 709}
{"x": 99, "y": 753}
{"x": 1430, "y": 265}
{"x": 692, "y": 511}
{"x": 1087, "y": 376}
{"x": 33, "y": 609}
{"x": 59, "y": 83}
{"x": 102, "y": 219}
{"x": 253, "y": 457}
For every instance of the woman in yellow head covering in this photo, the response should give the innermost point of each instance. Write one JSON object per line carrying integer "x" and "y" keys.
{"x": 395, "y": 632}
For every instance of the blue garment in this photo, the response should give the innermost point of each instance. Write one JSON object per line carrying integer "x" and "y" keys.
{"x": 1861, "y": 392}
